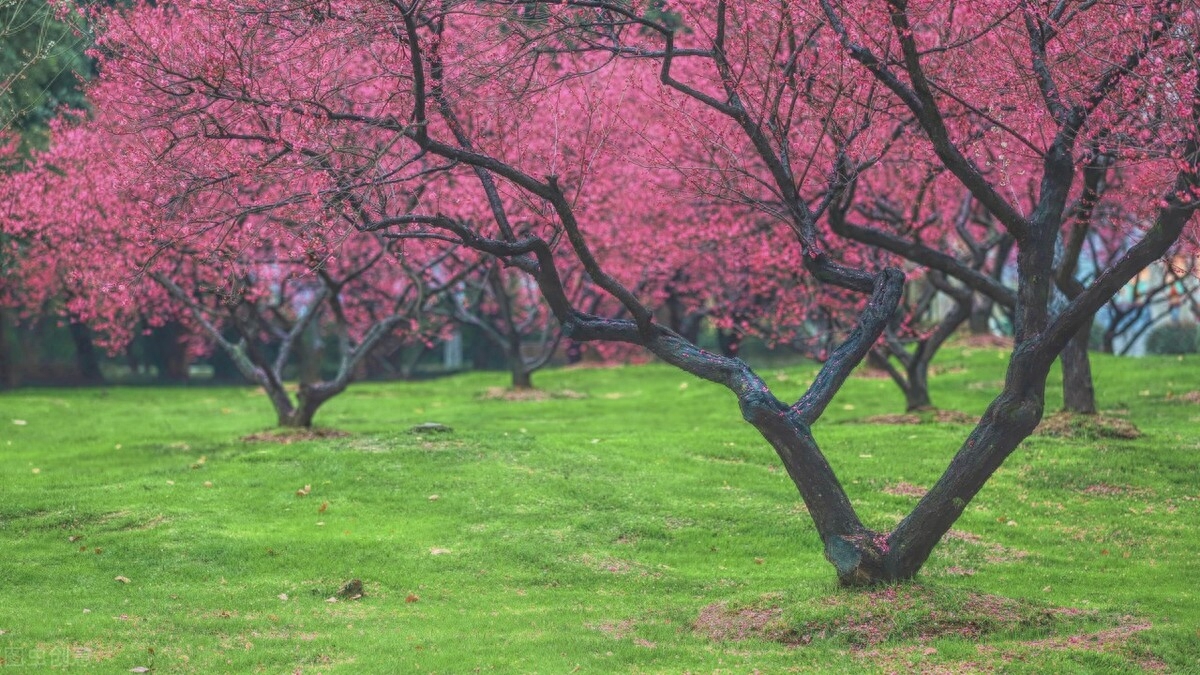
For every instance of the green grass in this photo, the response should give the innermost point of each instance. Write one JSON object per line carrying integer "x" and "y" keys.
{"x": 639, "y": 527}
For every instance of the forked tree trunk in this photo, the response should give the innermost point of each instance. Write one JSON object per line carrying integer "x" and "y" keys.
{"x": 298, "y": 414}
{"x": 865, "y": 557}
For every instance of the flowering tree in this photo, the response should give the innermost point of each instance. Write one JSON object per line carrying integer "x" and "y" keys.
{"x": 507, "y": 309}
{"x": 264, "y": 287}
{"x": 786, "y": 109}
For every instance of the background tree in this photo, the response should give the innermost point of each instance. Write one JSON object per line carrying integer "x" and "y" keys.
{"x": 279, "y": 284}
{"x": 42, "y": 63}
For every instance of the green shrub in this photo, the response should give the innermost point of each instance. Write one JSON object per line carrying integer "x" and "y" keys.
{"x": 1177, "y": 337}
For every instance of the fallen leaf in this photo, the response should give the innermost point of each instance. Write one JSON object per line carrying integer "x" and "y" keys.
{"x": 99, "y": 550}
{"x": 283, "y": 596}
{"x": 36, "y": 470}
{"x": 303, "y": 492}
{"x": 121, "y": 579}
{"x": 412, "y": 597}
{"x": 438, "y": 551}
{"x": 74, "y": 538}
{"x": 139, "y": 669}
{"x": 20, "y": 423}
{"x": 323, "y": 507}
{"x": 434, "y": 498}
{"x": 330, "y": 599}
{"x": 758, "y": 561}
{"x": 208, "y": 483}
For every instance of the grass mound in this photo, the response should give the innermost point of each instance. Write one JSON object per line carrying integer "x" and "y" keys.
{"x": 286, "y": 436}
{"x": 902, "y": 614}
{"x": 935, "y": 415}
{"x": 1087, "y": 427}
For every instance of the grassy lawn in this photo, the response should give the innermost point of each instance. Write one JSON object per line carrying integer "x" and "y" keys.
{"x": 629, "y": 523}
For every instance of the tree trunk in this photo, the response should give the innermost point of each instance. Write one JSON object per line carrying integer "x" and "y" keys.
{"x": 981, "y": 316}
{"x": 573, "y": 352}
{"x": 916, "y": 394}
{"x": 297, "y": 417}
{"x": 170, "y": 352}
{"x": 522, "y": 378}
{"x": 8, "y": 370}
{"x": 1079, "y": 393}
{"x": 863, "y": 557}
{"x": 86, "y": 359}
{"x": 310, "y": 397}
{"x": 729, "y": 342}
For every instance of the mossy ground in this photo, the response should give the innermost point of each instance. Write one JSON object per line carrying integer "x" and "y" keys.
{"x": 634, "y": 524}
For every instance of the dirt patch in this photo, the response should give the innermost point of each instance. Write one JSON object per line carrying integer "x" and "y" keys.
{"x": 953, "y": 417}
{"x": 610, "y": 565}
{"x": 286, "y": 436}
{"x": 1106, "y": 490}
{"x": 507, "y": 394}
{"x": 993, "y": 553}
{"x": 903, "y": 489}
{"x": 918, "y": 658}
{"x": 721, "y": 623}
{"x": 616, "y": 630}
{"x": 1073, "y": 425}
{"x": 923, "y": 614}
{"x": 936, "y": 415}
{"x": 959, "y": 535}
{"x": 1188, "y": 397}
{"x": 907, "y": 418}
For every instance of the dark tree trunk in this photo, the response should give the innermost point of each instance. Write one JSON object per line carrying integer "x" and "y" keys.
{"x": 8, "y": 370}
{"x": 729, "y": 342}
{"x": 573, "y": 352}
{"x": 86, "y": 358}
{"x": 916, "y": 396}
{"x": 310, "y": 397}
{"x": 522, "y": 378}
{"x": 981, "y": 316}
{"x": 1079, "y": 394}
{"x": 1108, "y": 342}
{"x": 170, "y": 352}
{"x": 310, "y": 353}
